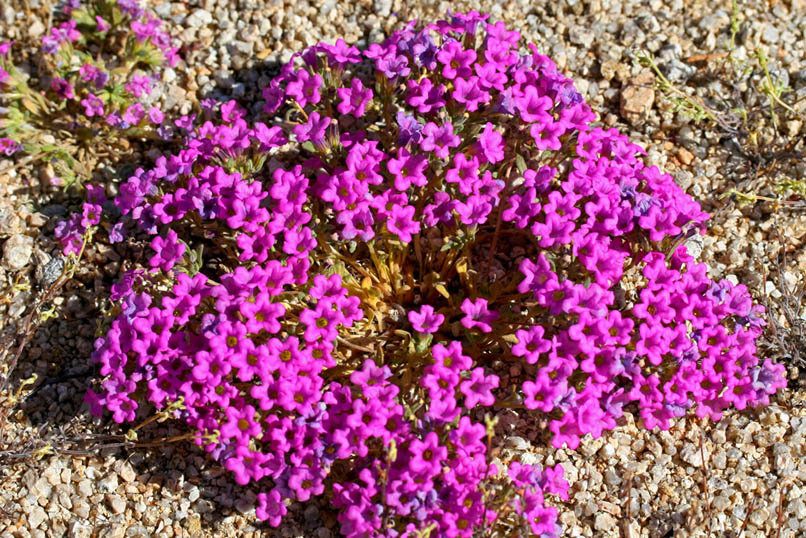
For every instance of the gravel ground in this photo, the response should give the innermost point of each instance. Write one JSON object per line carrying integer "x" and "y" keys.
{"x": 745, "y": 475}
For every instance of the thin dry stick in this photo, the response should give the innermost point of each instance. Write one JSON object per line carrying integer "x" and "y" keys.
{"x": 705, "y": 484}
{"x": 625, "y": 524}
{"x": 780, "y": 511}
{"x": 746, "y": 517}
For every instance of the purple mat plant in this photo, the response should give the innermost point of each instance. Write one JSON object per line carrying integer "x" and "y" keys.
{"x": 339, "y": 297}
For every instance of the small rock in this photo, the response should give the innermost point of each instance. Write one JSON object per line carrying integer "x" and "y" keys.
{"x": 36, "y": 28}
{"x": 50, "y": 272}
{"x": 85, "y": 488}
{"x": 685, "y": 156}
{"x": 36, "y": 517}
{"x": 383, "y": 8}
{"x": 42, "y": 488}
{"x": 17, "y": 252}
{"x": 81, "y": 508}
{"x": 199, "y": 18}
{"x": 311, "y": 514}
{"x": 79, "y": 530}
{"x": 677, "y": 71}
{"x": 579, "y": 35}
{"x": 137, "y": 531}
{"x": 691, "y": 454}
{"x": 637, "y": 98}
{"x": 127, "y": 473}
{"x": 517, "y": 443}
{"x": 37, "y": 220}
{"x": 604, "y": 522}
{"x": 108, "y": 484}
{"x": 116, "y": 503}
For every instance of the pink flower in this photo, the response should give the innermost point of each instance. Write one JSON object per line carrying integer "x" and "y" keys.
{"x": 469, "y": 93}
{"x": 101, "y": 25}
{"x": 424, "y": 96}
{"x": 270, "y": 508}
{"x": 305, "y": 88}
{"x": 426, "y": 320}
{"x": 408, "y": 169}
{"x": 313, "y": 129}
{"x": 427, "y": 455}
{"x": 354, "y": 99}
{"x": 401, "y": 222}
{"x": 155, "y": 115}
{"x": 168, "y": 251}
{"x": 492, "y": 144}
{"x": 457, "y": 61}
{"x": 93, "y": 106}
{"x": 134, "y": 114}
{"x": 477, "y": 315}
{"x": 439, "y": 139}
{"x": 478, "y": 389}
{"x": 533, "y": 107}
{"x": 531, "y": 344}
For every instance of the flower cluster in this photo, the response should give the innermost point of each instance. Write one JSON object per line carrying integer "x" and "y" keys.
{"x": 424, "y": 209}
{"x": 105, "y": 94}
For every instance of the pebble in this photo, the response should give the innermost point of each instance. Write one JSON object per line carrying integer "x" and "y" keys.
{"x": 36, "y": 517}
{"x": 17, "y": 252}
{"x": 199, "y": 18}
{"x": 116, "y": 503}
{"x": 127, "y": 472}
{"x": 637, "y": 97}
{"x": 604, "y": 522}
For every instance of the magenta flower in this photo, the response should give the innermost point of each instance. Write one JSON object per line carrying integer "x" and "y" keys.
{"x": 93, "y": 106}
{"x": 531, "y": 344}
{"x": 313, "y": 129}
{"x": 155, "y": 115}
{"x": 492, "y": 144}
{"x": 168, "y": 251}
{"x": 401, "y": 222}
{"x": 439, "y": 139}
{"x": 134, "y": 114}
{"x": 305, "y": 88}
{"x": 426, "y": 455}
{"x": 469, "y": 93}
{"x": 322, "y": 322}
{"x": 478, "y": 389}
{"x": 425, "y": 320}
{"x": 408, "y": 169}
{"x": 478, "y": 315}
{"x": 100, "y": 24}
{"x": 457, "y": 61}
{"x": 270, "y": 507}
{"x": 424, "y": 96}
{"x": 59, "y": 85}
{"x": 354, "y": 99}
{"x": 533, "y": 107}
{"x": 138, "y": 86}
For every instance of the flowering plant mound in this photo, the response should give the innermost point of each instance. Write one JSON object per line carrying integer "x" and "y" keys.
{"x": 433, "y": 229}
{"x": 97, "y": 68}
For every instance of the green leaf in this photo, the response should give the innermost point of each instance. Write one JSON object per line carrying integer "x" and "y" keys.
{"x": 423, "y": 342}
{"x": 521, "y": 163}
